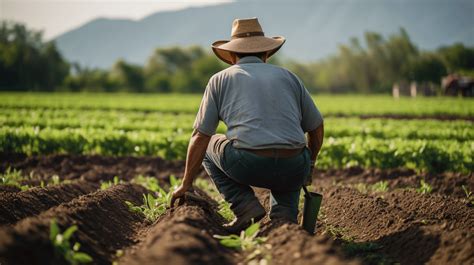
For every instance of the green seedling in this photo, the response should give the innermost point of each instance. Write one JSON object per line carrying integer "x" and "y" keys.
{"x": 107, "y": 184}
{"x": 152, "y": 207}
{"x": 225, "y": 211}
{"x": 381, "y": 186}
{"x": 247, "y": 240}
{"x": 62, "y": 246}
{"x": 469, "y": 195}
{"x": 13, "y": 177}
{"x": 224, "y": 207}
{"x": 424, "y": 188}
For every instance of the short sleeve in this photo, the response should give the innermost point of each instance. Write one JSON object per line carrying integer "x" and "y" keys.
{"x": 207, "y": 118}
{"x": 311, "y": 117}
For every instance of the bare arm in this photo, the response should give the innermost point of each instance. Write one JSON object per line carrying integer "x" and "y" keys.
{"x": 315, "y": 141}
{"x": 196, "y": 151}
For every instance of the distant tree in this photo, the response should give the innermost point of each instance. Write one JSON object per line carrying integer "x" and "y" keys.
{"x": 457, "y": 57}
{"x": 28, "y": 63}
{"x": 127, "y": 77}
{"x": 428, "y": 67}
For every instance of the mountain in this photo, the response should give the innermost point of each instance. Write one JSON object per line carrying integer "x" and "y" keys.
{"x": 313, "y": 28}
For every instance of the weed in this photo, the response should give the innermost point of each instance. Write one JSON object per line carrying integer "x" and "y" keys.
{"x": 338, "y": 233}
{"x": 425, "y": 188}
{"x": 62, "y": 246}
{"x": 469, "y": 195}
{"x": 13, "y": 177}
{"x": 107, "y": 184}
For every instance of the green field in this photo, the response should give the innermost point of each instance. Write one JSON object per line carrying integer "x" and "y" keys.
{"x": 142, "y": 124}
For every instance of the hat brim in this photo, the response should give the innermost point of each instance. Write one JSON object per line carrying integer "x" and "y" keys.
{"x": 224, "y": 48}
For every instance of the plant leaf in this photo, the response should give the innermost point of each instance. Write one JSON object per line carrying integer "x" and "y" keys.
{"x": 68, "y": 233}
{"x": 53, "y": 230}
{"x": 252, "y": 229}
{"x": 82, "y": 257}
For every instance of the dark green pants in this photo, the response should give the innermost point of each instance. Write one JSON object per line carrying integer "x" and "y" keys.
{"x": 233, "y": 171}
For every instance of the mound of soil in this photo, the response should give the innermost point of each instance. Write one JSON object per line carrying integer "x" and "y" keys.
{"x": 15, "y": 206}
{"x": 398, "y": 225}
{"x": 183, "y": 235}
{"x": 408, "y": 227}
{"x": 104, "y": 225}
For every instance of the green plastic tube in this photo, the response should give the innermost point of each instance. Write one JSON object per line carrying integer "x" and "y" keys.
{"x": 312, "y": 203}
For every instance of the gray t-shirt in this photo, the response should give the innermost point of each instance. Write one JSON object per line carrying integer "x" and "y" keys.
{"x": 263, "y": 106}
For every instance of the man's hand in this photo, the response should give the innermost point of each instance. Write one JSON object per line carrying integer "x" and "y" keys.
{"x": 179, "y": 194}
{"x": 196, "y": 151}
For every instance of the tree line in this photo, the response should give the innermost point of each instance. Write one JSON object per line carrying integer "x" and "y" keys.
{"x": 373, "y": 64}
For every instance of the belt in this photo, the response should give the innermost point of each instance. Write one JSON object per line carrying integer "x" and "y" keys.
{"x": 274, "y": 152}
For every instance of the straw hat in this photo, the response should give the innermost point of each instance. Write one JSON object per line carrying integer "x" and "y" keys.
{"x": 247, "y": 37}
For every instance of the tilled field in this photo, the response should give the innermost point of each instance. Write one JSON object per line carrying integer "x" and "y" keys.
{"x": 357, "y": 224}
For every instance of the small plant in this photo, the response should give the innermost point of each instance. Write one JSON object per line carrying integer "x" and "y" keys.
{"x": 224, "y": 206}
{"x": 381, "y": 186}
{"x": 107, "y": 184}
{"x": 152, "y": 207}
{"x": 62, "y": 246}
{"x": 246, "y": 241}
{"x": 469, "y": 195}
{"x": 13, "y": 178}
{"x": 225, "y": 211}
{"x": 424, "y": 188}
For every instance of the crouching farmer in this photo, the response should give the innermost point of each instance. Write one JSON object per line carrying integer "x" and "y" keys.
{"x": 267, "y": 111}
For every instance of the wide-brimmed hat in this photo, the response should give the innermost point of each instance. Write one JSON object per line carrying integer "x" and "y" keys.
{"x": 247, "y": 37}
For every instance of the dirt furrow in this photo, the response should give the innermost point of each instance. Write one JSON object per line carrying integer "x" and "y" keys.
{"x": 290, "y": 244}
{"x": 15, "y": 206}
{"x": 183, "y": 236}
{"x": 409, "y": 227}
{"x": 104, "y": 222}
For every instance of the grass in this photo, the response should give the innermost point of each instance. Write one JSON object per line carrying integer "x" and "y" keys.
{"x": 62, "y": 245}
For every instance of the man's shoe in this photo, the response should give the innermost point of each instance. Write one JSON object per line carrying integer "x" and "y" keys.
{"x": 255, "y": 212}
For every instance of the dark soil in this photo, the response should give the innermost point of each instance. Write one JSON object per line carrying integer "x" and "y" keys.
{"x": 399, "y": 225}
{"x": 15, "y": 206}
{"x": 91, "y": 167}
{"x": 104, "y": 226}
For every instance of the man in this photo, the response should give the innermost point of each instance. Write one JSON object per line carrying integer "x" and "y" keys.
{"x": 267, "y": 111}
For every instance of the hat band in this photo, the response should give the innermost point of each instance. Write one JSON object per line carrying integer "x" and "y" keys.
{"x": 247, "y": 34}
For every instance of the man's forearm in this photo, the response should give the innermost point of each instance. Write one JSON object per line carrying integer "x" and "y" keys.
{"x": 315, "y": 141}
{"x": 196, "y": 152}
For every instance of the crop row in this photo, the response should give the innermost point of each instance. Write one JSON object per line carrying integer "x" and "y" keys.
{"x": 160, "y": 122}
{"x": 186, "y": 103}
{"x": 433, "y": 156}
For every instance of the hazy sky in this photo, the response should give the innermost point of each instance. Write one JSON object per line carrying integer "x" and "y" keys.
{"x": 57, "y": 16}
